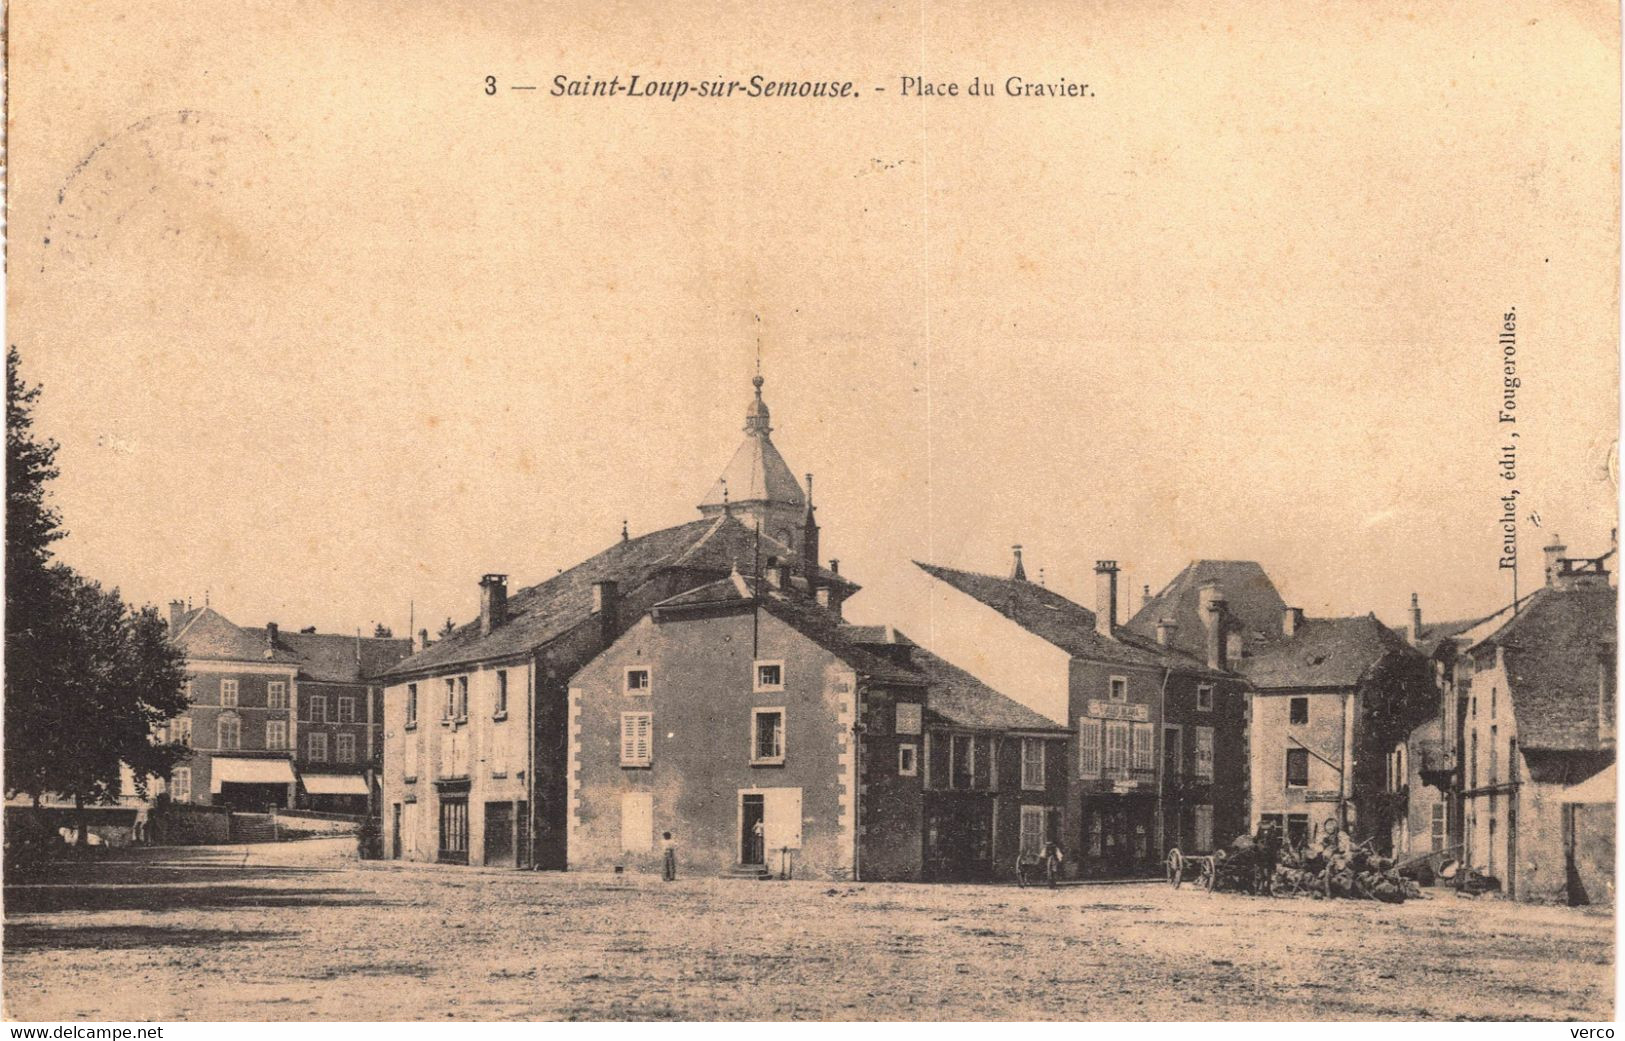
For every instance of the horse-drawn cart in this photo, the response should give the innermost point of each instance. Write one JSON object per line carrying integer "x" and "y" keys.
{"x": 1200, "y": 869}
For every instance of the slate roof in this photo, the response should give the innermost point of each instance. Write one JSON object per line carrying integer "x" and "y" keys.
{"x": 547, "y": 610}
{"x": 208, "y": 635}
{"x": 807, "y": 617}
{"x": 1061, "y": 622}
{"x": 1551, "y": 649}
{"x": 1326, "y": 653}
{"x": 756, "y": 473}
{"x": 956, "y": 698}
{"x": 332, "y": 657}
{"x": 1252, "y": 601}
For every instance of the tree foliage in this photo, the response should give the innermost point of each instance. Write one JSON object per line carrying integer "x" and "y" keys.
{"x": 89, "y": 680}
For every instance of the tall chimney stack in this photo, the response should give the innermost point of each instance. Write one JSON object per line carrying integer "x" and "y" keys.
{"x": 1106, "y": 598}
{"x": 1554, "y": 558}
{"x": 1018, "y": 573}
{"x": 270, "y": 636}
{"x": 420, "y": 641}
{"x": 606, "y": 604}
{"x": 1416, "y": 620}
{"x": 493, "y": 603}
{"x": 1212, "y": 602}
{"x": 809, "y": 539}
{"x": 1291, "y": 619}
{"x": 1145, "y": 597}
{"x": 177, "y": 609}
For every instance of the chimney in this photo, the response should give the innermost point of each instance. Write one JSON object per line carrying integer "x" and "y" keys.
{"x": 1416, "y": 620}
{"x": 1291, "y": 619}
{"x": 177, "y": 608}
{"x": 774, "y": 573}
{"x": 1106, "y": 597}
{"x": 420, "y": 641}
{"x": 493, "y": 603}
{"x": 1145, "y": 597}
{"x": 1017, "y": 572}
{"x": 1554, "y": 558}
{"x": 1213, "y": 616}
{"x": 606, "y": 604}
{"x": 270, "y": 635}
{"x": 831, "y": 597}
{"x": 1165, "y": 631}
{"x": 834, "y": 566}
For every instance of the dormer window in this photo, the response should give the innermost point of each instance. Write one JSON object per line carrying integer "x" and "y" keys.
{"x": 639, "y": 681}
{"x": 769, "y": 676}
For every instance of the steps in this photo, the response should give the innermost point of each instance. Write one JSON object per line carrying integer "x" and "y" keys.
{"x": 753, "y": 872}
{"x": 252, "y": 827}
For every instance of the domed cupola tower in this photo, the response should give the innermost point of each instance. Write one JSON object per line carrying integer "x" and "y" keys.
{"x": 758, "y": 486}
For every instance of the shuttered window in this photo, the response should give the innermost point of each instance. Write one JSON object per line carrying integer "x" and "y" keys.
{"x": 1204, "y": 754}
{"x": 1032, "y": 764}
{"x": 636, "y": 743}
{"x": 1143, "y": 757}
{"x": 1439, "y": 833}
{"x": 1089, "y": 748}
{"x": 1117, "y": 748}
{"x": 1033, "y": 819}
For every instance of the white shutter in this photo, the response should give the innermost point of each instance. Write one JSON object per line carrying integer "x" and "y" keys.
{"x": 1204, "y": 753}
{"x": 637, "y": 821}
{"x": 1032, "y": 830}
{"x": 1142, "y": 746}
{"x": 1117, "y": 744}
{"x": 781, "y": 821}
{"x": 636, "y": 747}
{"x": 1088, "y": 748}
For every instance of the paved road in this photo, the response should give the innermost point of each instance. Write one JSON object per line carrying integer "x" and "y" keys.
{"x": 301, "y": 931}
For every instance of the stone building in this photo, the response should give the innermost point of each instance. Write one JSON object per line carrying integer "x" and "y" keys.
{"x": 476, "y": 729}
{"x": 1159, "y": 732}
{"x": 771, "y": 738}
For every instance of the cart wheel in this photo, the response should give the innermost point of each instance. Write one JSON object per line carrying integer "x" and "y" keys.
{"x": 1176, "y": 868}
{"x": 1210, "y": 872}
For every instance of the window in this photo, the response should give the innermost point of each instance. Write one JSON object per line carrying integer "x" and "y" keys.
{"x": 228, "y": 693}
{"x": 769, "y": 676}
{"x": 409, "y": 759}
{"x": 181, "y": 729}
{"x": 1117, "y": 748}
{"x": 1144, "y": 754}
{"x": 767, "y": 736}
{"x": 1202, "y": 817}
{"x": 908, "y": 760}
{"x": 411, "y": 704}
{"x": 276, "y": 734}
{"x": 1495, "y": 765}
{"x": 1033, "y": 819}
{"x": 318, "y": 747}
{"x": 344, "y": 747}
{"x": 636, "y": 738}
{"x": 318, "y": 708}
{"x": 276, "y": 694}
{"x": 1204, "y": 754}
{"x": 1089, "y": 748}
{"x": 462, "y": 698}
{"x": 191, "y": 690}
{"x": 1299, "y": 711}
{"x": 1119, "y": 688}
{"x": 1297, "y": 768}
{"x": 637, "y": 822}
{"x": 638, "y": 681}
{"x": 180, "y": 784}
{"x": 451, "y": 700}
{"x": 500, "y": 709}
{"x": 908, "y": 718}
{"x": 1204, "y": 697}
{"x": 347, "y": 710}
{"x": 1032, "y": 764}
{"x": 962, "y": 761}
{"x": 1472, "y": 762}
{"x": 229, "y": 731}
{"x": 1439, "y": 828}
{"x": 1495, "y": 693}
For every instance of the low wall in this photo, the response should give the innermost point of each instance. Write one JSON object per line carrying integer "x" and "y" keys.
{"x": 315, "y": 824}
{"x": 185, "y": 825}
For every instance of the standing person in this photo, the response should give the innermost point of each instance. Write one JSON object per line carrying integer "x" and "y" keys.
{"x": 758, "y": 835}
{"x": 668, "y": 846}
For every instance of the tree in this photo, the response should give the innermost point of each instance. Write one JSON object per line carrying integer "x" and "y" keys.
{"x": 89, "y": 680}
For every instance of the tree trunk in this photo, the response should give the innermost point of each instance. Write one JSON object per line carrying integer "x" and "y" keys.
{"x": 83, "y": 839}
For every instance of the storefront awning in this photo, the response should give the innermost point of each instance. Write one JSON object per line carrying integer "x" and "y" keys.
{"x": 250, "y": 771}
{"x": 336, "y": 784}
{"x": 1600, "y": 787}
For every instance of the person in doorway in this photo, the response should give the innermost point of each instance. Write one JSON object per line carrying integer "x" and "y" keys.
{"x": 668, "y": 849}
{"x": 758, "y": 843}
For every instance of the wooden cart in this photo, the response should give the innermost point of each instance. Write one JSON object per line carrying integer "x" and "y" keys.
{"x": 1201, "y": 869}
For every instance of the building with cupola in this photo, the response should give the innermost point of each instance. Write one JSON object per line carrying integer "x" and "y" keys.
{"x": 476, "y": 724}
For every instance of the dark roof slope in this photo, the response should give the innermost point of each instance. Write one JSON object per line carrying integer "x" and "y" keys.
{"x": 1552, "y": 649}
{"x": 806, "y": 616}
{"x": 1327, "y": 652}
{"x": 337, "y": 658}
{"x": 210, "y": 636}
{"x": 542, "y": 612}
{"x": 957, "y": 698}
{"x": 1054, "y": 618}
{"x": 1252, "y": 600}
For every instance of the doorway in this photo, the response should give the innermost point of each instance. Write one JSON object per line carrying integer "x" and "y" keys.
{"x": 395, "y": 835}
{"x": 752, "y": 817}
{"x": 499, "y": 833}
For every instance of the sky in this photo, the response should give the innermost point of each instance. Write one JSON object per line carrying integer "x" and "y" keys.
{"x": 326, "y": 332}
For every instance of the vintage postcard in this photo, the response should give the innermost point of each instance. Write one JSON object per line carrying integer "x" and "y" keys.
{"x": 838, "y": 512}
